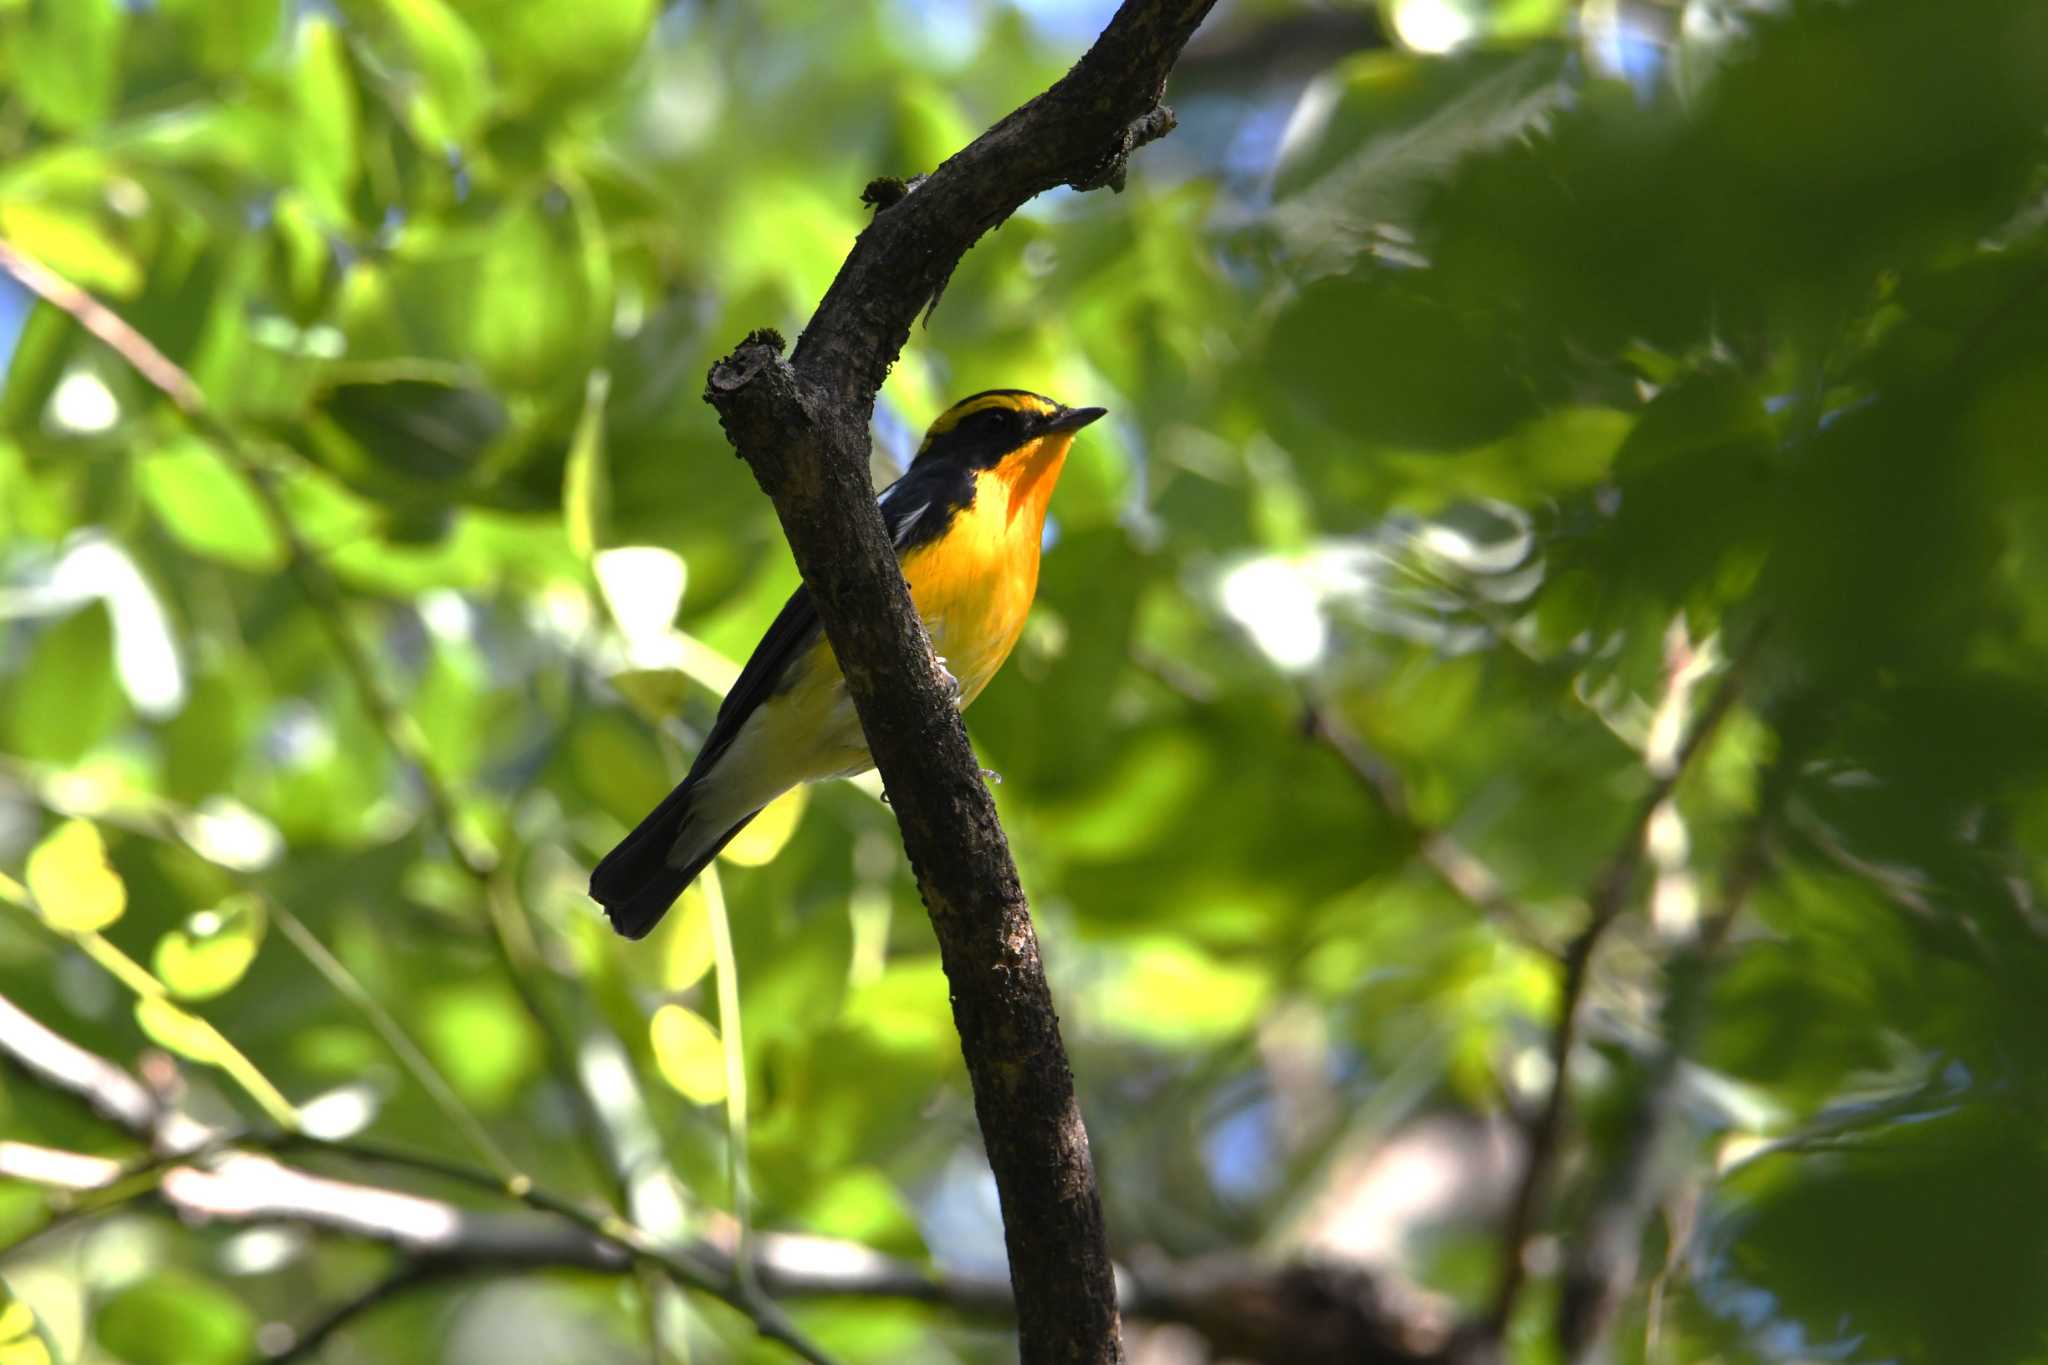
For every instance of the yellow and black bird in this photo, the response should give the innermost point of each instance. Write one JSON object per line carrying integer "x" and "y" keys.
{"x": 967, "y": 520}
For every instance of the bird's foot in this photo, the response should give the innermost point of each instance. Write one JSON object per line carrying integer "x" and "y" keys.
{"x": 954, "y": 692}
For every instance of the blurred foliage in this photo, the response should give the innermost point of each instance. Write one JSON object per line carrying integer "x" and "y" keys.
{"x": 1464, "y": 395}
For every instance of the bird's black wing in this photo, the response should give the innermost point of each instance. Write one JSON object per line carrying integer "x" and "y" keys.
{"x": 916, "y": 508}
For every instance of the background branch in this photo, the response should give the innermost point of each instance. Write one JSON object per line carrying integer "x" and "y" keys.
{"x": 1605, "y": 900}
{"x": 1292, "y": 1312}
{"x": 509, "y": 930}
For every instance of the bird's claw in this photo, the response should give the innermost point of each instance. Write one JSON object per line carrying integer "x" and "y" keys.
{"x": 954, "y": 692}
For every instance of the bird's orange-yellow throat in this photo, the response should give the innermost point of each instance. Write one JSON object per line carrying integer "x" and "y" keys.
{"x": 967, "y": 520}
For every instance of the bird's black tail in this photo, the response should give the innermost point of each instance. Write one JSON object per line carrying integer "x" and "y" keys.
{"x": 635, "y": 882}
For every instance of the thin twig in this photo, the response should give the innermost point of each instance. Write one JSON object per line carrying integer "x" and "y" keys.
{"x": 1603, "y": 1261}
{"x": 395, "y": 1037}
{"x": 732, "y": 1047}
{"x": 1462, "y": 871}
{"x": 410, "y": 1275}
{"x": 1605, "y": 900}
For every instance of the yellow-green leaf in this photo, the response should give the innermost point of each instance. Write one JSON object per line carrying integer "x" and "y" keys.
{"x": 687, "y": 1052}
{"x": 207, "y": 508}
{"x": 178, "y": 1030}
{"x": 760, "y": 841}
{"x": 74, "y": 885}
{"x": 72, "y": 242}
{"x": 24, "y": 1351}
{"x": 17, "y": 1319}
{"x": 210, "y": 953}
{"x": 687, "y": 956}
{"x": 324, "y": 96}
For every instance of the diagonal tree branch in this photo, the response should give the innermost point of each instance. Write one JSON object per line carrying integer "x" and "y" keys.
{"x": 802, "y": 425}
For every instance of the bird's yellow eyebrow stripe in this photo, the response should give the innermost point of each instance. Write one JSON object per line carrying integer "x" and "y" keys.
{"x": 960, "y": 412}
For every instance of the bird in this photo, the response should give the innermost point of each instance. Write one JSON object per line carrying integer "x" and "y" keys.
{"x": 967, "y": 519}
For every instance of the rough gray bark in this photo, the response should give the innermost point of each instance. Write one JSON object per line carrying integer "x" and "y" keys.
{"x": 802, "y": 425}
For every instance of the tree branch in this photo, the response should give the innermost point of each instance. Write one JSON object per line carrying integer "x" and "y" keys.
{"x": 802, "y": 426}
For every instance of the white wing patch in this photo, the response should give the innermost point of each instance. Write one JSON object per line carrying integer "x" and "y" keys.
{"x": 890, "y": 496}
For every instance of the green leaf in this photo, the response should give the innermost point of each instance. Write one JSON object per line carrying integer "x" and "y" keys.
{"x": 530, "y": 323}
{"x": 67, "y": 697}
{"x": 407, "y": 436}
{"x": 208, "y": 508}
{"x": 64, "y": 61}
{"x": 174, "y": 1318}
{"x": 1905, "y": 1239}
{"x": 1172, "y": 995}
{"x": 211, "y": 952}
{"x": 23, "y": 1340}
{"x": 481, "y": 1039}
{"x": 324, "y": 144}
{"x": 41, "y": 355}
{"x": 75, "y": 887}
{"x": 1381, "y": 356}
{"x": 687, "y": 1051}
{"x": 227, "y": 36}
{"x": 453, "y": 92}
{"x": 546, "y": 54}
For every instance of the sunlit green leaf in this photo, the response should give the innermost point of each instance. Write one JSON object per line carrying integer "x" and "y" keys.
{"x": 325, "y": 145}
{"x": 175, "y": 1318}
{"x": 478, "y": 1036}
{"x": 1168, "y": 993}
{"x": 211, "y": 952}
{"x": 64, "y": 58}
{"x": 453, "y": 91}
{"x": 179, "y": 1030}
{"x": 209, "y": 508}
{"x": 687, "y": 951}
{"x": 761, "y": 840}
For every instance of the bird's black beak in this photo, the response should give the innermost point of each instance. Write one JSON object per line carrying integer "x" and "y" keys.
{"x": 1070, "y": 419}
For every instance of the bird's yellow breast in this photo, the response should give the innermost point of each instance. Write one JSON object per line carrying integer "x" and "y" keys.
{"x": 974, "y": 585}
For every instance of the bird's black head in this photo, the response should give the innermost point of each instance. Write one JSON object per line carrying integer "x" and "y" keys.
{"x": 978, "y": 431}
